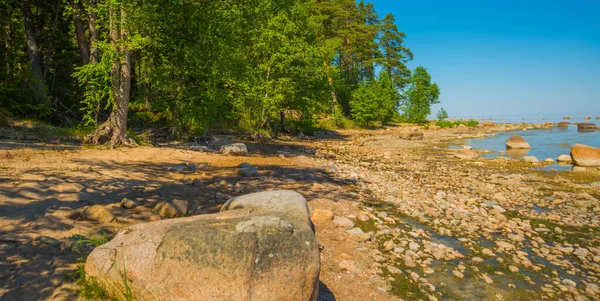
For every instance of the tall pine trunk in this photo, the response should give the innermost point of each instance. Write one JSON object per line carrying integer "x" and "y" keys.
{"x": 93, "y": 34}
{"x": 33, "y": 52}
{"x": 114, "y": 130}
{"x": 84, "y": 51}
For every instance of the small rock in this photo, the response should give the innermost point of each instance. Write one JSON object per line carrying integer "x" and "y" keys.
{"x": 244, "y": 165}
{"x": 531, "y": 159}
{"x": 581, "y": 252}
{"x": 175, "y": 208}
{"x": 358, "y": 234}
{"x": 348, "y": 265}
{"x": 393, "y": 270}
{"x": 413, "y": 246}
{"x": 466, "y": 154}
{"x": 488, "y": 252}
{"x": 248, "y": 171}
{"x": 47, "y": 240}
{"x": 487, "y": 279}
{"x": 458, "y": 274}
{"x": 128, "y": 204}
{"x": 518, "y": 142}
{"x": 558, "y": 230}
{"x": 179, "y": 167}
{"x": 343, "y": 222}
{"x": 564, "y": 158}
{"x": 513, "y": 268}
{"x": 321, "y": 215}
{"x": 98, "y": 213}
{"x": 389, "y": 245}
{"x": 568, "y": 282}
{"x": 235, "y": 149}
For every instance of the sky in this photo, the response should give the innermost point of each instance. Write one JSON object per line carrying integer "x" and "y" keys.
{"x": 527, "y": 57}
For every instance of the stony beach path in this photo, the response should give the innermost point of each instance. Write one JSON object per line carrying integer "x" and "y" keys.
{"x": 398, "y": 216}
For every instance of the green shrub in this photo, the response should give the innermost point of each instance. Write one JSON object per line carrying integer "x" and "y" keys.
{"x": 442, "y": 114}
{"x": 445, "y": 124}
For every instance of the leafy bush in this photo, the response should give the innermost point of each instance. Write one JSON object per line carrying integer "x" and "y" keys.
{"x": 374, "y": 101}
{"x": 449, "y": 124}
{"x": 442, "y": 114}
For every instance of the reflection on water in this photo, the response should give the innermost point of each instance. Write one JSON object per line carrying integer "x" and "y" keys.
{"x": 545, "y": 143}
{"x": 517, "y": 153}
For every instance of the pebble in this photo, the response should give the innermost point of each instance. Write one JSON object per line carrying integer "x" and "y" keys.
{"x": 348, "y": 265}
{"x": 458, "y": 274}
{"x": 568, "y": 282}
{"x": 343, "y": 222}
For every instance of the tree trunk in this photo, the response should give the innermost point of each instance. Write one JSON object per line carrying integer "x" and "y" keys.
{"x": 34, "y": 54}
{"x": 114, "y": 130}
{"x": 331, "y": 88}
{"x": 51, "y": 44}
{"x": 8, "y": 45}
{"x": 80, "y": 33}
{"x": 93, "y": 34}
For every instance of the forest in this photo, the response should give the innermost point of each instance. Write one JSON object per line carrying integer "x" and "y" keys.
{"x": 190, "y": 66}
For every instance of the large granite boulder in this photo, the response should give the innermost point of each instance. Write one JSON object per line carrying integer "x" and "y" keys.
{"x": 516, "y": 141}
{"x": 584, "y": 155}
{"x": 261, "y": 246}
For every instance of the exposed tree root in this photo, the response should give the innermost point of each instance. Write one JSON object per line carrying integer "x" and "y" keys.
{"x": 110, "y": 134}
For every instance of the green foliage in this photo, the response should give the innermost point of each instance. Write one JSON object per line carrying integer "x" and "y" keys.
{"x": 420, "y": 95}
{"x": 95, "y": 80}
{"x": 196, "y": 65}
{"x": 450, "y": 124}
{"x": 374, "y": 101}
{"x": 442, "y": 114}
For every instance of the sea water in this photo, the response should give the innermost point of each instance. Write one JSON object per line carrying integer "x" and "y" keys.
{"x": 545, "y": 143}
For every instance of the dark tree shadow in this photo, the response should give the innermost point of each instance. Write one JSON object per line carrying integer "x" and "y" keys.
{"x": 31, "y": 271}
{"x": 324, "y": 293}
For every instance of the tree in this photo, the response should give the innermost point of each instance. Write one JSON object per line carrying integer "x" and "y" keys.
{"x": 442, "y": 114}
{"x": 114, "y": 130}
{"x": 395, "y": 54}
{"x": 33, "y": 50}
{"x": 374, "y": 101}
{"x": 421, "y": 93}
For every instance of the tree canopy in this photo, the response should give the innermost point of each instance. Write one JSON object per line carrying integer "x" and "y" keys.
{"x": 196, "y": 65}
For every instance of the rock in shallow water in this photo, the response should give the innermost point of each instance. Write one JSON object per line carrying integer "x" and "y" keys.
{"x": 261, "y": 246}
{"x": 517, "y": 142}
{"x": 584, "y": 155}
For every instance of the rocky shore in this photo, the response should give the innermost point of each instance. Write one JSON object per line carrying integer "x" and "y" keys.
{"x": 448, "y": 228}
{"x": 394, "y": 210}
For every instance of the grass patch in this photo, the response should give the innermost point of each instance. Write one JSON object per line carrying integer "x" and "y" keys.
{"x": 451, "y": 124}
{"x": 91, "y": 288}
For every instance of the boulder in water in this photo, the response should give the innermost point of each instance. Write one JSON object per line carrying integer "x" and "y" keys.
{"x": 564, "y": 158}
{"x": 516, "y": 141}
{"x": 563, "y": 124}
{"x": 586, "y": 127}
{"x": 261, "y": 246}
{"x": 584, "y": 155}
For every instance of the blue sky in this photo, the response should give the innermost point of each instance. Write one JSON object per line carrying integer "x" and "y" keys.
{"x": 506, "y": 57}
